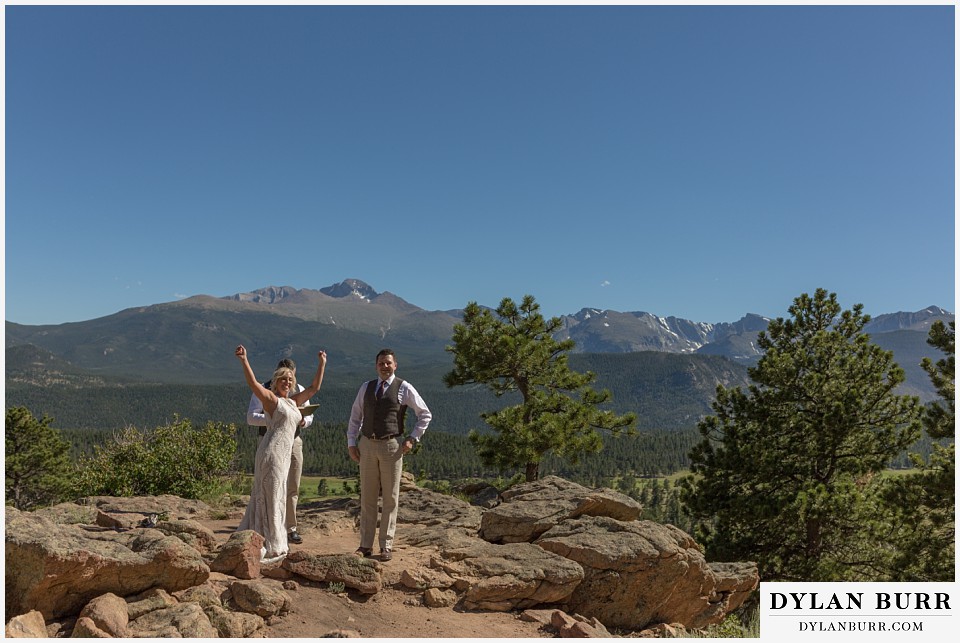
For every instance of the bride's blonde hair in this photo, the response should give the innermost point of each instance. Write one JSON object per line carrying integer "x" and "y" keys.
{"x": 280, "y": 372}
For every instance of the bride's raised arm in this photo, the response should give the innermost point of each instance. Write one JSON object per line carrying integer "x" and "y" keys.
{"x": 265, "y": 395}
{"x": 304, "y": 395}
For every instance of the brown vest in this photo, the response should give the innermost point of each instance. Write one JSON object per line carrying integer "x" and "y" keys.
{"x": 384, "y": 417}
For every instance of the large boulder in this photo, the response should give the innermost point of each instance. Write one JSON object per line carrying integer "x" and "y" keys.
{"x": 70, "y": 513}
{"x": 433, "y": 537}
{"x": 240, "y": 556}
{"x": 139, "y": 511}
{"x": 86, "y": 628}
{"x": 191, "y": 532}
{"x": 428, "y": 508}
{"x": 362, "y": 574}
{"x": 233, "y": 625}
{"x": 421, "y": 578}
{"x": 183, "y": 620}
{"x": 530, "y": 509}
{"x": 641, "y": 572}
{"x": 577, "y": 627}
{"x": 260, "y": 597}
{"x": 205, "y": 595}
{"x": 149, "y": 601}
{"x": 56, "y": 568}
{"x": 165, "y": 507}
{"x": 432, "y": 519}
{"x": 505, "y": 577}
{"x": 484, "y": 496}
{"x": 108, "y": 613}
{"x": 26, "y": 626}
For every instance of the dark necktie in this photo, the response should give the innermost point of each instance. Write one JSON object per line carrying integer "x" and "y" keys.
{"x": 381, "y": 389}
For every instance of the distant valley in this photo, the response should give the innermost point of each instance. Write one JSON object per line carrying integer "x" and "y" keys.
{"x": 664, "y": 368}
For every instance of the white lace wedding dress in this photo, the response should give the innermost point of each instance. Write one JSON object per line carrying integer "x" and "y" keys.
{"x": 266, "y": 513}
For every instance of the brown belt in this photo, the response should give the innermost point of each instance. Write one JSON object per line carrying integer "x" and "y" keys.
{"x": 388, "y": 437}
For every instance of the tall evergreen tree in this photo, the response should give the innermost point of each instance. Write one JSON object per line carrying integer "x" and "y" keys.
{"x": 512, "y": 350}
{"x": 923, "y": 506}
{"x": 37, "y": 460}
{"x": 939, "y": 419}
{"x": 784, "y": 472}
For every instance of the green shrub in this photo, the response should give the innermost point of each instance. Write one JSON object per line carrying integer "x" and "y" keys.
{"x": 177, "y": 459}
{"x": 742, "y": 623}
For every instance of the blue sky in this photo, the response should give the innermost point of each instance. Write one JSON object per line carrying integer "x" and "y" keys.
{"x": 702, "y": 162}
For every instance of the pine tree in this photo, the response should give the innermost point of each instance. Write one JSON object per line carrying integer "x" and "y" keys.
{"x": 785, "y": 472}
{"x": 939, "y": 420}
{"x": 923, "y": 506}
{"x": 37, "y": 460}
{"x": 513, "y": 351}
{"x": 627, "y": 484}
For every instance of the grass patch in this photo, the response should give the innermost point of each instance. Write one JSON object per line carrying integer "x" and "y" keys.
{"x": 742, "y": 624}
{"x": 320, "y": 487}
{"x": 311, "y": 488}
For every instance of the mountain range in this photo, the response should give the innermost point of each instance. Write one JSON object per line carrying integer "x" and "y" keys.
{"x": 191, "y": 340}
{"x": 665, "y": 368}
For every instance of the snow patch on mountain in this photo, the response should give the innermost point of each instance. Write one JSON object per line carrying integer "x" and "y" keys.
{"x": 351, "y": 288}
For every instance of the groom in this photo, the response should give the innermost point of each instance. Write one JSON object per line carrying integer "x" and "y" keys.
{"x": 375, "y": 440}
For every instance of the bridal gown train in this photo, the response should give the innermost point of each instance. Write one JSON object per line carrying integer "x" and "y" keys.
{"x": 266, "y": 513}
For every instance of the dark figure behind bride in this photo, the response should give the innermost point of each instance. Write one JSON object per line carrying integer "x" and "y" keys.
{"x": 266, "y": 513}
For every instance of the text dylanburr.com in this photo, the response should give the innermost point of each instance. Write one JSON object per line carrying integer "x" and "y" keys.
{"x": 862, "y": 611}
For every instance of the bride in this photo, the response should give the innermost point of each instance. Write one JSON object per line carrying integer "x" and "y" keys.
{"x": 266, "y": 513}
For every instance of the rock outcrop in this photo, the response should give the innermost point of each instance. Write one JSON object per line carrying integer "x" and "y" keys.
{"x": 108, "y": 614}
{"x": 259, "y": 597}
{"x": 530, "y": 509}
{"x": 56, "y": 569}
{"x": 81, "y": 563}
{"x": 183, "y": 620}
{"x": 361, "y": 574}
{"x": 606, "y": 564}
{"x": 240, "y": 556}
{"x": 431, "y": 512}
{"x": 505, "y": 577}
{"x": 578, "y": 560}
{"x": 640, "y": 572}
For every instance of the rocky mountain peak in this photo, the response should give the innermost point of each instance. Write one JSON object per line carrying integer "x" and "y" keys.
{"x": 351, "y": 287}
{"x": 919, "y": 321}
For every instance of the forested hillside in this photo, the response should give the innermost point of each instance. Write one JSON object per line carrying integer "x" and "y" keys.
{"x": 443, "y": 456}
{"x": 666, "y": 391}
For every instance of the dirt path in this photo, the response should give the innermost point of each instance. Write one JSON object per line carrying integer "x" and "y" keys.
{"x": 395, "y": 612}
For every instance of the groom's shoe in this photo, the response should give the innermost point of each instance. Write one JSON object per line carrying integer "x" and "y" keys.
{"x": 294, "y": 537}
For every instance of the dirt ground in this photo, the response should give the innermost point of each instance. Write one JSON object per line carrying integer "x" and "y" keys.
{"x": 394, "y": 612}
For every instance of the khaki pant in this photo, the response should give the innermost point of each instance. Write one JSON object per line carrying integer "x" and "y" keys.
{"x": 381, "y": 462}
